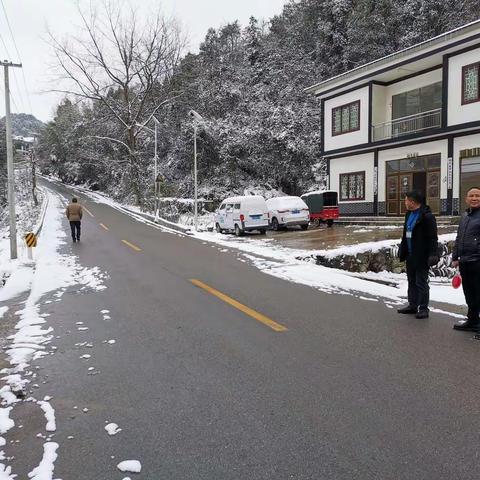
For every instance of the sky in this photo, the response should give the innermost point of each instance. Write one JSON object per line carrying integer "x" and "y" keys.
{"x": 29, "y": 19}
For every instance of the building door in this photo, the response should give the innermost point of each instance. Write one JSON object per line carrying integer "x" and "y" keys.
{"x": 392, "y": 195}
{"x": 433, "y": 191}
{"x": 405, "y": 186}
{"x": 420, "y": 182}
{"x": 420, "y": 173}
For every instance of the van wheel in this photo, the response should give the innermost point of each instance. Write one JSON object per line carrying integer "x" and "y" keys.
{"x": 316, "y": 222}
{"x": 304, "y": 227}
{"x": 218, "y": 228}
{"x": 238, "y": 232}
{"x": 329, "y": 223}
{"x": 275, "y": 225}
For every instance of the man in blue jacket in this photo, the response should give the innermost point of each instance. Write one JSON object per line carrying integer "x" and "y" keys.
{"x": 419, "y": 248}
{"x": 466, "y": 254}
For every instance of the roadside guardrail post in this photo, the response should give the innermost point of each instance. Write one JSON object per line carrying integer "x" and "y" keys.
{"x": 31, "y": 241}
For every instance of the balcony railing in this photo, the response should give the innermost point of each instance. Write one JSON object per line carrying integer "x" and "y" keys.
{"x": 407, "y": 125}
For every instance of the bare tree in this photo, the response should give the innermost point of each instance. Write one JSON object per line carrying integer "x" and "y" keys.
{"x": 123, "y": 64}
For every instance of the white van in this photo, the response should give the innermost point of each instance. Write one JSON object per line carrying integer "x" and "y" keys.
{"x": 288, "y": 211}
{"x": 242, "y": 214}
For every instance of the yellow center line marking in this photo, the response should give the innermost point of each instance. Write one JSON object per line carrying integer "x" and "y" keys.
{"x": 243, "y": 308}
{"x": 104, "y": 227}
{"x": 88, "y": 211}
{"x": 132, "y": 246}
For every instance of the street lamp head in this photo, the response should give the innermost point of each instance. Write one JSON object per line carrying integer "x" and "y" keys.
{"x": 195, "y": 116}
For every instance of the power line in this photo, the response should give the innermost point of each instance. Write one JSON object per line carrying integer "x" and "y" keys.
{"x": 19, "y": 59}
{"x": 14, "y": 76}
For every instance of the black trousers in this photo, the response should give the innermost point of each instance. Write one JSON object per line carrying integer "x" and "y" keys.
{"x": 75, "y": 227}
{"x": 470, "y": 272}
{"x": 418, "y": 288}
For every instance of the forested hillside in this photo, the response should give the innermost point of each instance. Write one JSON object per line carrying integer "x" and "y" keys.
{"x": 261, "y": 129}
{"x": 23, "y": 125}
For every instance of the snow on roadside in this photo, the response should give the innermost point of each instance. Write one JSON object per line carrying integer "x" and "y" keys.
{"x": 289, "y": 264}
{"x": 49, "y": 272}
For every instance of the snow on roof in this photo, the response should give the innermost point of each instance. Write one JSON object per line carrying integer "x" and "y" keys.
{"x": 243, "y": 197}
{"x": 318, "y": 192}
{"x": 19, "y": 138}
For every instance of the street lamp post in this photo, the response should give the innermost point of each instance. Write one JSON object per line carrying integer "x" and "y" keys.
{"x": 155, "y": 159}
{"x": 197, "y": 120}
{"x": 156, "y": 168}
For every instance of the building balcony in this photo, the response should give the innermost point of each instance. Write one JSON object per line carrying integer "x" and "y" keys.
{"x": 407, "y": 125}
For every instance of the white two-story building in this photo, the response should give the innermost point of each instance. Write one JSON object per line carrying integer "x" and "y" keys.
{"x": 410, "y": 120}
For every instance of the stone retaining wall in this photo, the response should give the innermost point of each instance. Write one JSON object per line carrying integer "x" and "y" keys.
{"x": 385, "y": 259}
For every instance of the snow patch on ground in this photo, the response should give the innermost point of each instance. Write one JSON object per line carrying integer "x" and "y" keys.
{"x": 132, "y": 466}
{"x": 49, "y": 415}
{"x": 44, "y": 471}
{"x": 112, "y": 429}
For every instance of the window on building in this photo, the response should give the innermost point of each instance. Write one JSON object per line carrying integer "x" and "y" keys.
{"x": 469, "y": 172}
{"x": 346, "y": 118}
{"x": 352, "y": 186}
{"x": 471, "y": 83}
{"x": 420, "y": 100}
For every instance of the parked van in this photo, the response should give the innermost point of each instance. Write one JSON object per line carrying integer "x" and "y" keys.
{"x": 242, "y": 214}
{"x": 288, "y": 211}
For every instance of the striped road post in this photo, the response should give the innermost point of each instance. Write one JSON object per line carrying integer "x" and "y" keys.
{"x": 31, "y": 241}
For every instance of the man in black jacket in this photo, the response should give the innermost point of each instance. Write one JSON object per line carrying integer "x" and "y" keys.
{"x": 419, "y": 248}
{"x": 466, "y": 253}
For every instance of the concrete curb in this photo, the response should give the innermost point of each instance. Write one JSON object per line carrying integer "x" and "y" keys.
{"x": 160, "y": 221}
{"x": 38, "y": 227}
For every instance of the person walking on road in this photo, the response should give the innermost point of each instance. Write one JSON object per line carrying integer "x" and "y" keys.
{"x": 419, "y": 248}
{"x": 466, "y": 255}
{"x": 74, "y": 214}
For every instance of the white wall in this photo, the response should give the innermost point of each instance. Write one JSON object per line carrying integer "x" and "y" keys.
{"x": 352, "y": 138}
{"x": 379, "y": 114}
{"x": 439, "y": 146}
{"x": 354, "y": 163}
{"x": 461, "y": 143}
{"x": 458, "y": 113}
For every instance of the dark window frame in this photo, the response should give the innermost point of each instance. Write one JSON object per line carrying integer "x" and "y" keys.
{"x": 341, "y": 107}
{"x": 349, "y": 174}
{"x": 468, "y": 102}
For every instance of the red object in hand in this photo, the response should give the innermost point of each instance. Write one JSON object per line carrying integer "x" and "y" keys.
{"x": 456, "y": 280}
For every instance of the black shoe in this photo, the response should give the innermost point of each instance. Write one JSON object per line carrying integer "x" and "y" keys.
{"x": 78, "y": 239}
{"x": 466, "y": 326}
{"x": 407, "y": 309}
{"x": 74, "y": 240}
{"x": 422, "y": 314}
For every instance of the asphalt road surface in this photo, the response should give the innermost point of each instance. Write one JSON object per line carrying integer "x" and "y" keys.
{"x": 288, "y": 383}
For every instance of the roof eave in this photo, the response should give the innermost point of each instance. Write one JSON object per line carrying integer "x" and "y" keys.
{"x": 444, "y": 37}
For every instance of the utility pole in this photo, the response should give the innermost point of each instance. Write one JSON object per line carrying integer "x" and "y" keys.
{"x": 197, "y": 120}
{"x": 10, "y": 167}
{"x": 156, "y": 203}
{"x": 33, "y": 160}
